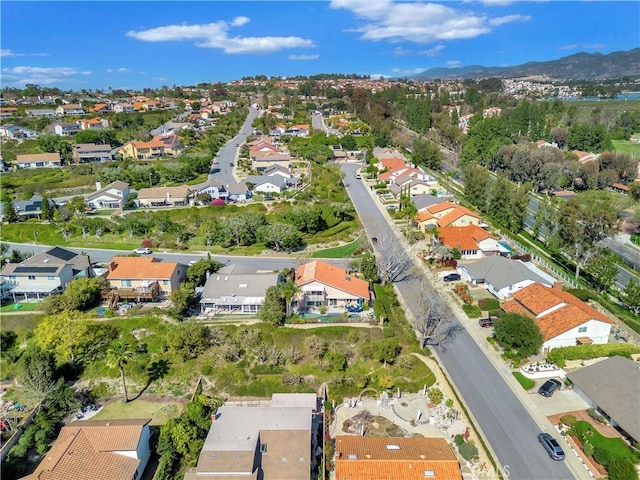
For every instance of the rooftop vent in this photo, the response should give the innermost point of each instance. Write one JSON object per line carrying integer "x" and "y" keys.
{"x": 393, "y": 447}
{"x": 352, "y": 456}
{"x": 429, "y": 474}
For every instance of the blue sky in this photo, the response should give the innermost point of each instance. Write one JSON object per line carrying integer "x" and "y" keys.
{"x": 121, "y": 44}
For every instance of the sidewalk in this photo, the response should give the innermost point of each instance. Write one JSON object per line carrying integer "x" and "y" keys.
{"x": 479, "y": 336}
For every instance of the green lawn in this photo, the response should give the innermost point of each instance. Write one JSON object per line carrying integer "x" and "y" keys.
{"x": 23, "y": 307}
{"x": 158, "y": 412}
{"x": 16, "y": 323}
{"x": 616, "y": 447}
{"x": 343, "y": 251}
{"x": 526, "y": 383}
{"x": 627, "y": 146}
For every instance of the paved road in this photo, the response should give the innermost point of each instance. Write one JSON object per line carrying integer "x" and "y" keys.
{"x": 221, "y": 168}
{"x": 259, "y": 263}
{"x": 504, "y": 421}
{"x": 317, "y": 122}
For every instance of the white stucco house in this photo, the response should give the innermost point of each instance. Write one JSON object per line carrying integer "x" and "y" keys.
{"x": 564, "y": 320}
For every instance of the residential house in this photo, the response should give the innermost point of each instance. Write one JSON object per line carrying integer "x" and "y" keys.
{"x": 93, "y": 123}
{"x": 70, "y": 109}
{"x": 159, "y": 146}
{"x": 238, "y": 192}
{"x": 297, "y": 131}
{"x": 31, "y": 208}
{"x": 424, "y": 200}
{"x": 405, "y": 171}
{"x": 258, "y": 147}
{"x": 63, "y": 129}
{"x": 471, "y": 240}
{"x": 114, "y": 195}
{"x": 446, "y": 214}
{"x": 564, "y": 320}
{"x": 142, "y": 275}
{"x": 409, "y": 185}
{"x": 39, "y": 160}
{"x": 394, "y": 458}
{"x": 612, "y": 386}
{"x": 278, "y": 170}
{"x": 99, "y": 450}
{"x": 212, "y": 187}
{"x": 101, "y": 108}
{"x": 325, "y": 285}
{"x": 8, "y": 112}
{"x": 123, "y": 108}
{"x": 272, "y": 441}
{"x": 381, "y": 153}
{"x": 262, "y": 161}
{"x": 16, "y": 132}
{"x": 163, "y": 196}
{"x": 503, "y": 277}
{"x": 584, "y": 157}
{"x": 391, "y": 163}
{"x": 46, "y": 273}
{"x": 41, "y": 112}
{"x": 236, "y": 293}
{"x": 92, "y": 152}
{"x": 267, "y": 184}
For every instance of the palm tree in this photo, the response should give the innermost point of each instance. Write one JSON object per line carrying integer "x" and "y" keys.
{"x": 118, "y": 355}
{"x": 288, "y": 291}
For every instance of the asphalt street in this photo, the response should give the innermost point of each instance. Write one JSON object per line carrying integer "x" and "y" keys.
{"x": 504, "y": 421}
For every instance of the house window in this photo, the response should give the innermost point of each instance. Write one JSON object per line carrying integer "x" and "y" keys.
{"x": 31, "y": 277}
{"x": 50, "y": 277}
{"x": 12, "y": 278}
{"x": 39, "y": 164}
{"x": 165, "y": 282}
{"x": 582, "y": 329}
{"x": 126, "y": 283}
{"x": 263, "y": 448}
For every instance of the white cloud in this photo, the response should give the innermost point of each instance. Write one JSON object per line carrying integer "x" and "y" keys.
{"x": 453, "y": 64}
{"x": 418, "y": 22}
{"x": 401, "y": 52}
{"x": 303, "y": 57}
{"x": 378, "y": 76}
{"x": 124, "y": 70}
{"x": 41, "y": 75}
{"x": 399, "y": 72}
{"x": 216, "y": 35}
{"x": 432, "y": 52}
{"x": 6, "y": 52}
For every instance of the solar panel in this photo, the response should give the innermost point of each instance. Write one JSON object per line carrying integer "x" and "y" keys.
{"x": 62, "y": 253}
{"x": 35, "y": 269}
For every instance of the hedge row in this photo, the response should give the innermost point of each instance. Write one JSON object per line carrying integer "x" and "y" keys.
{"x": 583, "y": 352}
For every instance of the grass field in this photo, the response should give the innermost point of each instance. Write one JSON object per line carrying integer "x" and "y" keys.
{"x": 158, "y": 412}
{"x": 343, "y": 251}
{"x": 19, "y": 322}
{"x": 24, "y": 307}
{"x": 627, "y": 146}
{"x": 616, "y": 447}
{"x": 526, "y": 383}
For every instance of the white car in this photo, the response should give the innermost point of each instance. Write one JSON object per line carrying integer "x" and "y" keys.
{"x": 142, "y": 251}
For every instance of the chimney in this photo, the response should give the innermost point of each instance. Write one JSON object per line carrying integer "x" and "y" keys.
{"x": 98, "y": 186}
{"x": 558, "y": 285}
{"x": 112, "y": 266}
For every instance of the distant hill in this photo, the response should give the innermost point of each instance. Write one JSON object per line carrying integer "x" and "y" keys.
{"x": 581, "y": 66}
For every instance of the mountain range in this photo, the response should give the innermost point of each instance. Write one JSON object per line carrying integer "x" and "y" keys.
{"x": 581, "y": 66}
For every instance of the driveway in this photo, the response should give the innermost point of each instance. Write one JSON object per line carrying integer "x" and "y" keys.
{"x": 562, "y": 401}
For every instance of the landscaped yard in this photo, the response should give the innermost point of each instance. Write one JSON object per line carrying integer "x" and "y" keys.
{"x": 22, "y": 307}
{"x": 526, "y": 383}
{"x": 615, "y": 447}
{"x": 158, "y": 411}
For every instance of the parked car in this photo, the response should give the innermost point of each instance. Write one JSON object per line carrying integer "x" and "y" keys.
{"x": 549, "y": 387}
{"x": 552, "y": 446}
{"x": 231, "y": 164}
{"x": 452, "y": 277}
{"x": 142, "y": 251}
{"x": 358, "y": 176}
{"x": 487, "y": 322}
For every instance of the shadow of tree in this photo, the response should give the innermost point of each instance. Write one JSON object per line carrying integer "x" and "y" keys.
{"x": 157, "y": 370}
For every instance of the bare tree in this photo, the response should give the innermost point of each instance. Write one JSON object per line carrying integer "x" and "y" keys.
{"x": 434, "y": 322}
{"x": 393, "y": 263}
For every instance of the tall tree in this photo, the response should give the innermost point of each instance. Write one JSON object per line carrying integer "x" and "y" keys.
{"x": 46, "y": 209}
{"x": 603, "y": 270}
{"x": 273, "y": 310}
{"x": 9, "y": 211}
{"x": 118, "y": 355}
{"x": 65, "y": 334}
{"x": 477, "y": 186}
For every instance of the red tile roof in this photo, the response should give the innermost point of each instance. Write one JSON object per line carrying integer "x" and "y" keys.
{"x": 392, "y": 163}
{"x": 371, "y": 458}
{"x": 567, "y": 312}
{"x": 457, "y": 211}
{"x": 336, "y": 277}
{"x": 140, "y": 268}
{"x": 463, "y": 238}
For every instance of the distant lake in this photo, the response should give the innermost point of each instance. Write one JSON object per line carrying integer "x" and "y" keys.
{"x": 621, "y": 97}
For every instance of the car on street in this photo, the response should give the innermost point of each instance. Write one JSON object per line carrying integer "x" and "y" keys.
{"x": 142, "y": 251}
{"x": 552, "y": 446}
{"x": 549, "y": 387}
{"x": 231, "y": 164}
{"x": 452, "y": 277}
{"x": 358, "y": 176}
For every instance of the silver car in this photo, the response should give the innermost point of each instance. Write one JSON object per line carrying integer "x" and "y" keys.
{"x": 552, "y": 446}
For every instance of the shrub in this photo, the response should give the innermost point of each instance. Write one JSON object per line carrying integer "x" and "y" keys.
{"x": 435, "y": 395}
{"x": 588, "y": 448}
{"x": 596, "y": 416}
{"x": 458, "y": 439}
{"x": 517, "y": 332}
{"x": 601, "y": 456}
{"x": 467, "y": 451}
{"x": 472, "y": 311}
{"x": 622, "y": 470}
{"x": 580, "y": 293}
{"x": 568, "y": 420}
{"x": 291, "y": 379}
{"x": 583, "y": 352}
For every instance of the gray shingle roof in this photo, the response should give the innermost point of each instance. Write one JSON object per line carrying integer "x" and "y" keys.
{"x": 614, "y": 385}
{"x": 502, "y": 272}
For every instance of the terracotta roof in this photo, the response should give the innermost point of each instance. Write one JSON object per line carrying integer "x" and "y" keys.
{"x": 140, "y": 268}
{"x": 332, "y": 276}
{"x": 38, "y": 157}
{"x": 567, "y": 312}
{"x": 90, "y": 449}
{"x": 620, "y": 186}
{"x": 392, "y": 163}
{"x": 180, "y": 192}
{"x": 385, "y": 458}
{"x": 463, "y": 238}
{"x": 448, "y": 218}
